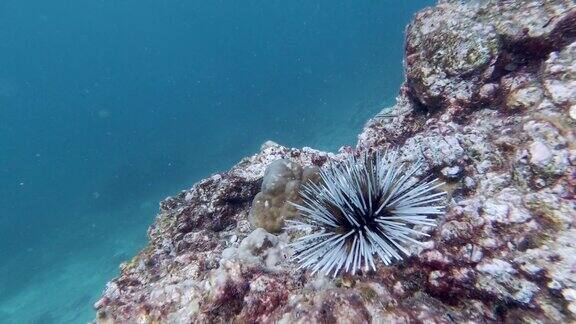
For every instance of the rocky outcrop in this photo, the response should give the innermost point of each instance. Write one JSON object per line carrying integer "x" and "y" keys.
{"x": 490, "y": 105}
{"x": 457, "y": 54}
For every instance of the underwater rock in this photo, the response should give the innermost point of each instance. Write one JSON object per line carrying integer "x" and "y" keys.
{"x": 448, "y": 53}
{"x": 492, "y": 116}
{"x": 454, "y": 50}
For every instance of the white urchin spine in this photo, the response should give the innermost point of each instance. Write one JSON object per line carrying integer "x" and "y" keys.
{"x": 363, "y": 207}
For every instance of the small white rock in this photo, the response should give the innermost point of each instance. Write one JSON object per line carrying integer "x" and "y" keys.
{"x": 268, "y": 144}
{"x": 216, "y": 177}
{"x": 496, "y": 267}
{"x": 477, "y": 254}
{"x": 469, "y": 183}
{"x": 495, "y": 210}
{"x": 452, "y": 172}
{"x": 573, "y": 112}
{"x": 539, "y": 153}
{"x": 553, "y": 284}
{"x": 569, "y": 294}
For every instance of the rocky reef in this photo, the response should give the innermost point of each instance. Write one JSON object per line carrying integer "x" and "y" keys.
{"x": 489, "y": 103}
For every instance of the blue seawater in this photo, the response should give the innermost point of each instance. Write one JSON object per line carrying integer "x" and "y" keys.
{"x": 107, "y": 106}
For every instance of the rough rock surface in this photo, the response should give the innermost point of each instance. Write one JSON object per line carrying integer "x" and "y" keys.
{"x": 458, "y": 53}
{"x": 490, "y": 105}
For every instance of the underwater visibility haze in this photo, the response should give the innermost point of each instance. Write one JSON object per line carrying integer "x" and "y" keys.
{"x": 108, "y": 106}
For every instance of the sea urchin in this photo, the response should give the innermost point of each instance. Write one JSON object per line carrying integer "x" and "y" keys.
{"x": 363, "y": 207}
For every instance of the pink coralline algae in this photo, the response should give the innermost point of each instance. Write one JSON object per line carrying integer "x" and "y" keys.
{"x": 489, "y": 108}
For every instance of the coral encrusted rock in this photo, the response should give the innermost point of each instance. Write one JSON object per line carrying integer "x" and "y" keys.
{"x": 489, "y": 107}
{"x": 280, "y": 186}
{"x": 457, "y": 53}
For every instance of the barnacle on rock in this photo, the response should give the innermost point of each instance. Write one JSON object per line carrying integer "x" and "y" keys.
{"x": 363, "y": 207}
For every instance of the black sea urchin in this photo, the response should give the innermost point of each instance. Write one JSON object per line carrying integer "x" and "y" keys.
{"x": 363, "y": 206}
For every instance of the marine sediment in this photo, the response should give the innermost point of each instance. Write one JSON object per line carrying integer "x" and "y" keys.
{"x": 489, "y": 105}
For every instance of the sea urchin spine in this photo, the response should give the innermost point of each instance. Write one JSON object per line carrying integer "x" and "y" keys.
{"x": 363, "y": 207}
